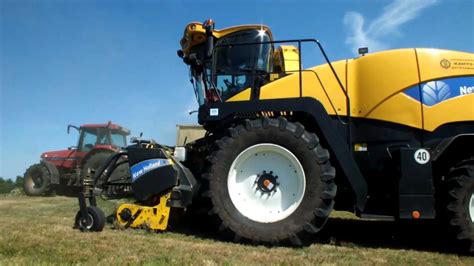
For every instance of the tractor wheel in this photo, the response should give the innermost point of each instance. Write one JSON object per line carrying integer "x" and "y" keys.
{"x": 37, "y": 181}
{"x": 270, "y": 181}
{"x": 95, "y": 221}
{"x": 460, "y": 203}
{"x": 94, "y": 161}
{"x": 97, "y": 159}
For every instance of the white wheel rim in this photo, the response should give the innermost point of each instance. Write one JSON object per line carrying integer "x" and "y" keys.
{"x": 252, "y": 202}
{"x": 471, "y": 208}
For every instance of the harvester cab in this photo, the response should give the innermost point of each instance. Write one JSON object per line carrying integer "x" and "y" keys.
{"x": 224, "y": 63}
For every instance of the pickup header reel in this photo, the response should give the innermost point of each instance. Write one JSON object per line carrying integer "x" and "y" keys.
{"x": 157, "y": 181}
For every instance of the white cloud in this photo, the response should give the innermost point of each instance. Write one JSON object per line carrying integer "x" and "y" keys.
{"x": 386, "y": 24}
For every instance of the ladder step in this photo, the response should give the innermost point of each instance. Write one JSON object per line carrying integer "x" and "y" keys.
{"x": 377, "y": 217}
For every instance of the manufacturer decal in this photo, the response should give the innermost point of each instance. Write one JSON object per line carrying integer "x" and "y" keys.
{"x": 437, "y": 91}
{"x": 422, "y": 156}
{"x": 144, "y": 167}
{"x": 445, "y": 63}
{"x": 457, "y": 63}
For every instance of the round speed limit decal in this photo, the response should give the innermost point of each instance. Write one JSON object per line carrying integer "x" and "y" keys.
{"x": 422, "y": 156}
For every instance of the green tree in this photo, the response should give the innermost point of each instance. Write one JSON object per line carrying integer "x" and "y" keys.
{"x": 6, "y": 185}
{"x": 19, "y": 181}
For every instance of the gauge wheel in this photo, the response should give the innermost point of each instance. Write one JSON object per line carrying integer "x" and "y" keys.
{"x": 94, "y": 222}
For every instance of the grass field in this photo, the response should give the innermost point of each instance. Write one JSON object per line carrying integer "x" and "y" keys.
{"x": 39, "y": 231}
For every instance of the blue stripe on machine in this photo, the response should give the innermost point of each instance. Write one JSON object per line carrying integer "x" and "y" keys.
{"x": 436, "y": 91}
{"x": 146, "y": 166}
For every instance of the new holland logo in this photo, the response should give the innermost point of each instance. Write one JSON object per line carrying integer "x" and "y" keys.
{"x": 445, "y": 63}
{"x": 435, "y": 92}
{"x": 146, "y": 166}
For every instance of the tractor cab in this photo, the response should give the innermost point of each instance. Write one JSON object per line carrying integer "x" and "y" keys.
{"x": 102, "y": 136}
{"x": 224, "y": 63}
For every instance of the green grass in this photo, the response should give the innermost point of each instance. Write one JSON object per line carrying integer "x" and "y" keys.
{"x": 39, "y": 231}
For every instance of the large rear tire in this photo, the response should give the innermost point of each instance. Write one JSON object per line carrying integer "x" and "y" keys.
{"x": 37, "y": 181}
{"x": 270, "y": 181}
{"x": 97, "y": 159}
{"x": 460, "y": 203}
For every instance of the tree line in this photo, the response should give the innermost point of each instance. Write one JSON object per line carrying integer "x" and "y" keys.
{"x": 7, "y": 185}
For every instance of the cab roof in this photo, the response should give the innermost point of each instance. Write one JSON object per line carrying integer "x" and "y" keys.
{"x": 107, "y": 125}
{"x": 195, "y": 33}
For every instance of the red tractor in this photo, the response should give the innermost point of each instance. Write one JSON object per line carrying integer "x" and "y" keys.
{"x": 62, "y": 171}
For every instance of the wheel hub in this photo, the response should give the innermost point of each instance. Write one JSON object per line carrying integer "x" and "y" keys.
{"x": 262, "y": 196}
{"x": 266, "y": 182}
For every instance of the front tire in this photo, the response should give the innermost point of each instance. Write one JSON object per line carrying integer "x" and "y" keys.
{"x": 270, "y": 181}
{"x": 37, "y": 181}
{"x": 460, "y": 203}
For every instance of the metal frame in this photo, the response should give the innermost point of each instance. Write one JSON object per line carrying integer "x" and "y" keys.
{"x": 300, "y": 71}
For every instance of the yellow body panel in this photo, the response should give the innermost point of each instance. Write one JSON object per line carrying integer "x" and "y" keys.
{"x": 195, "y": 34}
{"x": 241, "y": 96}
{"x": 435, "y": 63}
{"x": 452, "y": 110}
{"x": 287, "y": 58}
{"x": 316, "y": 81}
{"x": 376, "y": 77}
{"x": 401, "y": 109}
{"x": 155, "y": 217}
{"x": 377, "y": 85}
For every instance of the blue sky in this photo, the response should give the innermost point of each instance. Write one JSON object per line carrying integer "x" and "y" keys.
{"x": 79, "y": 61}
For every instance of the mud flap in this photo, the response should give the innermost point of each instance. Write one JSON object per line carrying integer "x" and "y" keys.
{"x": 416, "y": 190}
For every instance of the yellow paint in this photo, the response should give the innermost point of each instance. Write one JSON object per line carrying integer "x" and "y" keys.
{"x": 194, "y": 34}
{"x": 376, "y": 84}
{"x": 455, "y": 63}
{"x": 316, "y": 81}
{"x": 241, "y": 96}
{"x": 374, "y": 78}
{"x": 287, "y": 58}
{"x": 452, "y": 110}
{"x": 399, "y": 109}
{"x": 155, "y": 217}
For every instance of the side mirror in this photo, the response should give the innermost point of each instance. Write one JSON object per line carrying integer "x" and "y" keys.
{"x": 209, "y": 27}
{"x": 69, "y": 127}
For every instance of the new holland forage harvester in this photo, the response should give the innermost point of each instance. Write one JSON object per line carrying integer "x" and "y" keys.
{"x": 385, "y": 135}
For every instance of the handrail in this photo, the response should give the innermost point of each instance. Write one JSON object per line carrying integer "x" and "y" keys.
{"x": 299, "y": 41}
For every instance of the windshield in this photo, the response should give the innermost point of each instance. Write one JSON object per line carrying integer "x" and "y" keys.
{"x": 91, "y": 137}
{"x": 236, "y": 67}
{"x": 118, "y": 138}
